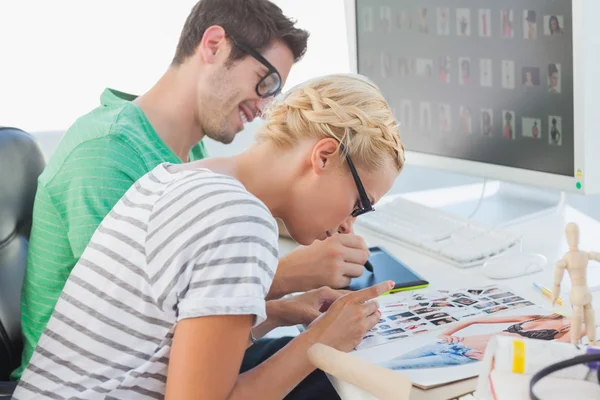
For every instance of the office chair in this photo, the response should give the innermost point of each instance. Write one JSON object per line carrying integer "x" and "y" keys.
{"x": 21, "y": 163}
{"x": 376, "y": 382}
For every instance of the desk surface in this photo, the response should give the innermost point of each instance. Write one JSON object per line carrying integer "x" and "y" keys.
{"x": 544, "y": 236}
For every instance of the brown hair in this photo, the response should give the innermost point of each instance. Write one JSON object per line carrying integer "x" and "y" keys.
{"x": 255, "y": 23}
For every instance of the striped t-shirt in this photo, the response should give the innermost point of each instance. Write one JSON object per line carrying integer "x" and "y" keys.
{"x": 178, "y": 245}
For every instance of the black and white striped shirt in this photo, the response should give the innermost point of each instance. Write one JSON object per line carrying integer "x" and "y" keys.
{"x": 177, "y": 245}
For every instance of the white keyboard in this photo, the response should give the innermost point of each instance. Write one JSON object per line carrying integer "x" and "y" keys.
{"x": 461, "y": 242}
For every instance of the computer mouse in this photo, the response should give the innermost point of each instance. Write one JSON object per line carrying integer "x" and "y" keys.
{"x": 513, "y": 265}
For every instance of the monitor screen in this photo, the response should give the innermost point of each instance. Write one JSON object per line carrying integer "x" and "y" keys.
{"x": 482, "y": 80}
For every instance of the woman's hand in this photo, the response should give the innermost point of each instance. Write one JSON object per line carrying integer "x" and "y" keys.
{"x": 303, "y": 308}
{"x": 349, "y": 318}
{"x": 451, "y": 339}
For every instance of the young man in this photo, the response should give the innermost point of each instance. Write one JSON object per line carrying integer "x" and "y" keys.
{"x": 201, "y": 94}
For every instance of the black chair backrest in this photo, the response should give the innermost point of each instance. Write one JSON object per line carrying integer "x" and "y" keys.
{"x": 21, "y": 163}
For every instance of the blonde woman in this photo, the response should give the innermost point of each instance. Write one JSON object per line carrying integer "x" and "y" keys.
{"x": 171, "y": 289}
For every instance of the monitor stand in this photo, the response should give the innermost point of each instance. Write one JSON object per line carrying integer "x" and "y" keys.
{"x": 506, "y": 204}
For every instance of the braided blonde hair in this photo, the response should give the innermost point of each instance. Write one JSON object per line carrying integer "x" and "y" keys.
{"x": 348, "y": 108}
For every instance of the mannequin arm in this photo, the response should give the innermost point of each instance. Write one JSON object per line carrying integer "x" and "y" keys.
{"x": 594, "y": 256}
{"x": 559, "y": 271}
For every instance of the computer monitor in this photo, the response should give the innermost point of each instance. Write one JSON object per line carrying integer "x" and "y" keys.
{"x": 508, "y": 90}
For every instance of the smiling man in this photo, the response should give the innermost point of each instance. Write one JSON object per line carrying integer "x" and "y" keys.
{"x": 233, "y": 56}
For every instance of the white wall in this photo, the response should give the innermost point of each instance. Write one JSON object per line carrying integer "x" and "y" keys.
{"x": 57, "y": 56}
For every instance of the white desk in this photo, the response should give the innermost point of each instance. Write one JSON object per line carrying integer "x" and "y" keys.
{"x": 544, "y": 236}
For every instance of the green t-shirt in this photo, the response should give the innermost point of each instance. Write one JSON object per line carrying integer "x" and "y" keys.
{"x": 99, "y": 158}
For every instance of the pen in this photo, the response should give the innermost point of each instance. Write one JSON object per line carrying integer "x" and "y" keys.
{"x": 547, "y": 292}
{"x": 368, "y": 266}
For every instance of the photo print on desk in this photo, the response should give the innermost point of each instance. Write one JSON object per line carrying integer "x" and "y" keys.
{"x": 554, "y": 78}
{"x": 463, "y": 22}
{"x": 554, "y": 25}
{"x": 422, "y": 311}
{"x": 529, "y": 24}
{"x": 487, "y": 122}
{"x": 385, "y": 19}
{"x": 406, "y": 19}
{"x": 531, "y": 127}
{"x": 507, "y": 23}
{"x": 485, "y": 72}
{"x": 508, "y": 74}
{"x": 485, "y": 21}
{"x": 555, "y": 130}
{"x": 443, "y": 24}
{"x": 508, "y": 127}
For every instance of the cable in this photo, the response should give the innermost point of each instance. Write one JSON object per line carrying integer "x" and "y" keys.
{"x": 480, "y": 199}
{"x": 583, "y": 359}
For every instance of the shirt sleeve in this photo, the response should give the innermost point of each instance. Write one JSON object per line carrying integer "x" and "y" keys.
{"x": 92, "y": 179}
{"x": 216, "y": 263}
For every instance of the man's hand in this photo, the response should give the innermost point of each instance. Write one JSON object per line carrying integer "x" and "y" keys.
{"x": 331, "y": 262}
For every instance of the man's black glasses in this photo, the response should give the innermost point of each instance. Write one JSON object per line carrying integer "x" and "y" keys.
{"x": 365, "y": 203}
{"x": 270, "y": 84}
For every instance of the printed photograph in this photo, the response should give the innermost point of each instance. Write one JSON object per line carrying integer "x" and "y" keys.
{"x": 554, "y": 25}
{"x": 425, "y": 109}
{"x": 425, "y": 67}
{"x": 511, "y": 299}
{"x": 500, "y": 295}
{"x": 436, "y": 316}
{"x": 367, "y": 14}
{"x": 508, "y": 127}
{"x": 529, "y": 24}
{"x": 463, "y": 22}
{"x": 481, "y": 306}
{"x": 531, "y": 76}
{"x": 495, "y": 309}
{"x": 485, "y": 70}
{"x": 507, "y": 23}
{"x": 423, "y": 22}
{"x": 555, "y": 130}
{"x": 465, "y": 301}
{"x": 465, "y": 120}
{"x": 508, "y": 74}
{"x": 443, "y": 321}
{"x": 487, "y": 124}
{"x": 442, "y": 304}
{"x": 464, "y": 77}
{"x": 406, "y": 114}
{"x": 425, "y": 310}
{"x": 386, "y": 65}
{"x": 443, "y": 26}
{"x": 485, "y": 20}
{"x": 402, "y": 315}
{"x": 463, "y": 344}
{"x": 406, "y": 19}
{"x": 475, "y": 292}
{"x": 392, "y": 332}
{"x": 385, "y": 19}
{"x": 531, "y": 128}
{"x": 405, "y": 66}
{"x": 444, "y": 69}
{"x": 554, "y": 81}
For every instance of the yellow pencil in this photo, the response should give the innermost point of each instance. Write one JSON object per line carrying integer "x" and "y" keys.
{"x": 547, "y": 292}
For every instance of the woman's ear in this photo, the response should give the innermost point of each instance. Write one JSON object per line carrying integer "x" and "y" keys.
{"x": 323, "y": 155}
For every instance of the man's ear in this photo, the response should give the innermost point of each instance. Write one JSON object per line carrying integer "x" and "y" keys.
{"x": 324, "y": 155}
{"x": 214, "y": 45}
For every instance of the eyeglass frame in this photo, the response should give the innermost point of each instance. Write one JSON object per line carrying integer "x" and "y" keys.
{"x": 258, "y": 57}
{"x": 365, "y": 203}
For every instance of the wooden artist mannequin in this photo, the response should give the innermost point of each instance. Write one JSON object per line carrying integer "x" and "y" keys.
{"x": 576, "y": 262}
